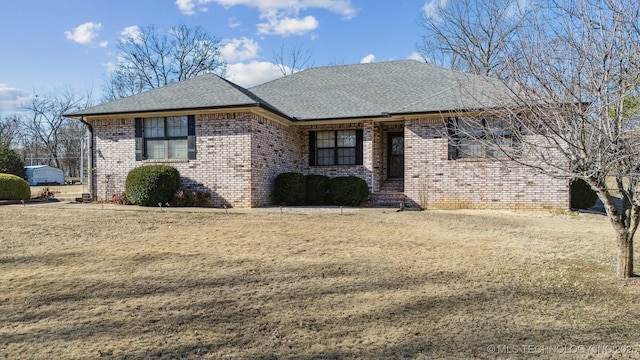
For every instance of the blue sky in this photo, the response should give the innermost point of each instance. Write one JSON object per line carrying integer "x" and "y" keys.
{"x": 50, "y": 45}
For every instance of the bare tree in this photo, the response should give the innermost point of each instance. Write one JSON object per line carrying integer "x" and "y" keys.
{"x": 292, "y": 60}
{"x": 149, "y": 59}
{"x": 9, "y": 128}
{"x": 45, "y": 127}
{"x": 573, "y": 107}
{"x": 471, "y": 35}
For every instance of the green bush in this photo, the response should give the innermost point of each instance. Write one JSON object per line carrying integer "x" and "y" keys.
{"x": 348, "y": 191}
{"x": 582, "y": 195}
{"x": 13, "y": 187}
{"x": 191, "y": 198}
{"x": 11, "y": 162}
{"x": 290, "y": 189}
{"x": 317, "y": 189}
{"x": 149, "y": 185}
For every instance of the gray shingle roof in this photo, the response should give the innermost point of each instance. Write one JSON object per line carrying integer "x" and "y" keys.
{"x": 205, "y": 91}
{"x": 362, "y": 90}
{"x": 334, "y": 92}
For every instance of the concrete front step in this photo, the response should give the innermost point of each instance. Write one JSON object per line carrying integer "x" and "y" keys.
{"x": 392, "y": 186}
{"x": 73, "y": 198}
{"x": 388, "y": 199}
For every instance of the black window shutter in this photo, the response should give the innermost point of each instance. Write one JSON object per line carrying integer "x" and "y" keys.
{"x": 139, "y": 140}
{"x": 312, "y": 148}
{"x": 359, "y": 150}
{"x": 191, "y": 137}
{"x": 452, "y": 144}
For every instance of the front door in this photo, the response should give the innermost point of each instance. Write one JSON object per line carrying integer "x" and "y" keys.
{"x": 395, "y": 155}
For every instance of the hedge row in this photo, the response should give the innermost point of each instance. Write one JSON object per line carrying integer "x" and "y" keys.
{"x": 295, "y": 189}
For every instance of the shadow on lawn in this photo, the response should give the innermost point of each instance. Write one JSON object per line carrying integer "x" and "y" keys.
{"x": 306, "y": 311}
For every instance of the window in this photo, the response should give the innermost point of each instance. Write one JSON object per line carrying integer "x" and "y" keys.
{"x": 478, "y": 138}
{"x": 335, "y": 147}
{"x": 165, "y": 138}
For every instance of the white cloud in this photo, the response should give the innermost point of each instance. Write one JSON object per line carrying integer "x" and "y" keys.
{"x": 253, "y": 73}
{"x": 288, "y": 26}
{"x": 368, "y": 59}
{"x": 342, "y": 7}
{"x": 416, "y": 56}
{"x": 281, "y": 15}
{"x": 130, "y": 31}
{"x": 432, "y": 8}
{"x": 11, "y": 99}
{"x": 239, "y": 49}
{"x": 86, "y": 34}
{"x": 186, "y": 6}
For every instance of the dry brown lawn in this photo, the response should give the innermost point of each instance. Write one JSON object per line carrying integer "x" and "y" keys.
{"x": 80, "y": 282}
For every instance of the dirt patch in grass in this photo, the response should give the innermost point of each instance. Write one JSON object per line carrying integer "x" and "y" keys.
{"x": 80, "y": 283}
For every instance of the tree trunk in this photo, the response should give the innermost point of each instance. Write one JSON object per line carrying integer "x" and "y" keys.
{"x": 625, "y": 256}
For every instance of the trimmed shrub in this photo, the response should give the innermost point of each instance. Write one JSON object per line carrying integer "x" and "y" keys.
{"x": 582, "y": 195}
{"x": 290, "y": 189}
{"x": 317, "y": 189}
{"x": 149, "y": 185}
{"x": 11, "y": 162}
{"x": 13, "y": 187}
{"x": 348, "y": 191}
{"x": 191, "y": 198}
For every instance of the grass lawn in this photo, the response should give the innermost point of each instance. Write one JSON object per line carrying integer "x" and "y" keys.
{"x": 80, "y": 282}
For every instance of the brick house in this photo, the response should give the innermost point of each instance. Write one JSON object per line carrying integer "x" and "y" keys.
{"x": 384, "y": 122}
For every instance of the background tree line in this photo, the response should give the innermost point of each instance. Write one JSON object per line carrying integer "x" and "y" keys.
{"x": 40, "y": 134}
{"x": 147, "y": 58}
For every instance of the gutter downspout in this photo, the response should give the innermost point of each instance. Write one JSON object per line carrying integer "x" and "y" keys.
{"x": 90, "y": 160}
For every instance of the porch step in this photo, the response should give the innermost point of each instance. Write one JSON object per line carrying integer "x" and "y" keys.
{"x": 388, "y": 199}
{"x": 392, "y": 185}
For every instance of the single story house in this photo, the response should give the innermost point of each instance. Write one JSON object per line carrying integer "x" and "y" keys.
{"x": 385, "y": 122}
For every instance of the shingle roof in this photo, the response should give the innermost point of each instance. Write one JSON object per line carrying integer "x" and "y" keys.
{"x": 333, "y": 92}
{"x": 394, "y": 87}
{"x": 205, "y": 91}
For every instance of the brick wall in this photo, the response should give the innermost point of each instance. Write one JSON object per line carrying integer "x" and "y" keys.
{"x": 222, "y": 165}
{"x": 364, "y": 171}
{"x": 239, "y": 155}
{"x": 275, "y": 149}
{"x": 432, "y": 181}
{"x": 114, "y": 155}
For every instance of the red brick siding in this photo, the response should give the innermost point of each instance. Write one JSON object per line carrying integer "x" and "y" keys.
{"x": 433, "y": 182}
{"x": 275, "y": 149}
{"x": 239, "y": 155}
{"x": 364, "y": 171}
{"x": 222, "y": 165}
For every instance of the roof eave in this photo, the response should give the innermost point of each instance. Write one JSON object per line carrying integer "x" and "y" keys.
{"x": 260, "y": 108}
{"x": 115, "y": 113}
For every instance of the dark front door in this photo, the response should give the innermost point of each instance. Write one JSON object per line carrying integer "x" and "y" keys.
{"x": 395, "y": 155}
